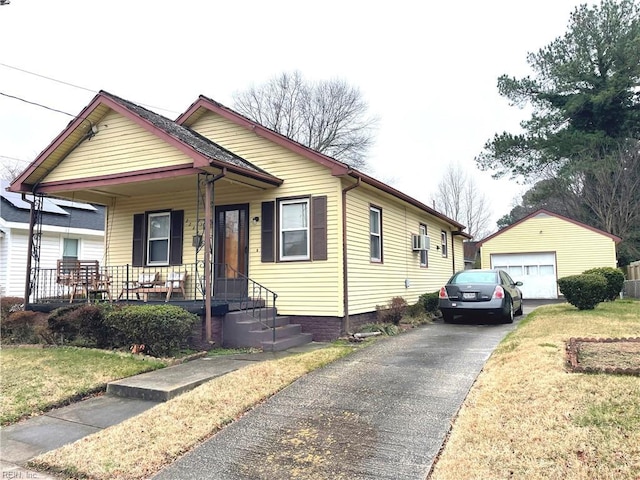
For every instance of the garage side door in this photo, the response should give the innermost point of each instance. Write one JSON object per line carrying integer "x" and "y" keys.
{"x": 536, "y": 271}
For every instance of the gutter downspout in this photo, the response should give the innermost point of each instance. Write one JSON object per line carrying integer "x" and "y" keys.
{"x": 208, "y": 248}
{"x": 453, "y": 249}
{"x": 345, "y": 264}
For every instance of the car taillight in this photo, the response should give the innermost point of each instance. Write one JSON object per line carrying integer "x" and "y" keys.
{"x": 498, "y": 292}
{"x": 443, "y": 293}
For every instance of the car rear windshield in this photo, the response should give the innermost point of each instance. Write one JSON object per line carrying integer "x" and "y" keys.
{"x": 474, "y": 277}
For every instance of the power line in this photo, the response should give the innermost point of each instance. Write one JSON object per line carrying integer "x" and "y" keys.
{"x": 36, "y": 104}
{"x": 75, "y": 86}
{"x": 48, "y": 78}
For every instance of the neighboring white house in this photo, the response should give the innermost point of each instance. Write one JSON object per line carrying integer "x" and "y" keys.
{"x": 69, "y": 229}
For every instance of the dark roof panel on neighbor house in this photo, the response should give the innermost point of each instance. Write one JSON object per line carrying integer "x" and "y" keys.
{"x": 56, "y": 212}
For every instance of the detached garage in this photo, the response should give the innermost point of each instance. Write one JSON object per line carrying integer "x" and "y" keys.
{"x": 545, "y": 246}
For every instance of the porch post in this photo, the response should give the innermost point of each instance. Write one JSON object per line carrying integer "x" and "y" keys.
{"x": 208, "y": 246}
{"x": 27, "y": 283}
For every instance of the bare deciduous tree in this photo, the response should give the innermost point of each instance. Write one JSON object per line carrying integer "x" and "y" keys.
{"x": 609, "y": 186}
{"x": 330, "y": 117}
{"x": 9, "y": 170}
{"x": 459, "y": 198}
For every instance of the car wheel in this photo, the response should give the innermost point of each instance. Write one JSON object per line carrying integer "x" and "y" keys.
{"x": 508, "y": 316}
{"x": 518, "y": 312}
{"x": 447, "y": 317}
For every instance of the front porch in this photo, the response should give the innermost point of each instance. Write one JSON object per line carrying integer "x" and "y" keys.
{"x": 242, "y": 313}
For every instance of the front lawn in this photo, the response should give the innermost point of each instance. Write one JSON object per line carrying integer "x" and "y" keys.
{"x": 529, "y": 416}
{"x": 168, "y": 430}
{"x": 38, "y": 379}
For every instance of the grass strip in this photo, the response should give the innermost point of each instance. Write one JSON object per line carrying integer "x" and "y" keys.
{"x": 142, "y": 445}
{"x": 38, "y": 379}
{"x": 527, "y": 416}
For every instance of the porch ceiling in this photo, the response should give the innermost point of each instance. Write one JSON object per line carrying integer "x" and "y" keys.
{"x": 106, "y": 193}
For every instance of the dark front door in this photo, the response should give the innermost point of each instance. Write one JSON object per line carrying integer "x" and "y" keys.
{"x": 231, "y": 252}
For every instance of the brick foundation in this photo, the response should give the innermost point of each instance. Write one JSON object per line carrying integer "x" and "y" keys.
{"x": 198, "y": 335}
{"x": 326, "y": 329}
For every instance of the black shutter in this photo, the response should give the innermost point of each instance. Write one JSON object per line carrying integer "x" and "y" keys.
{"x": 319, "y": 228}
{"x": 175, "y": 244}
{"x": 139, "y": 223}
{"x": 268, "y": 229}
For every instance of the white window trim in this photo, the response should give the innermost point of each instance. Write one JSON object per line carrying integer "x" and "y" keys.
{"x": 444, "y": 245}
{"x": 149, "y": 239}
{"x": 281, "y": 230}
{"x": 424, "y": 254}
{"x": 374, "y": 234}
{"x": 79, "y": 240}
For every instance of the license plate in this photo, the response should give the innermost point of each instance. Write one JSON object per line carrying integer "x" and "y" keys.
{"x": 469, "y": 296}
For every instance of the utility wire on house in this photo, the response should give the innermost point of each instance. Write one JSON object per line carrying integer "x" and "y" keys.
{"x": 76, "y": 86}
{"x": 35, "y": 103}
{"x": 48, "y": 78}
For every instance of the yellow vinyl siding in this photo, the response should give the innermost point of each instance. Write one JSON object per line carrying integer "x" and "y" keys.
{"x": 371, "y": 283}
{"x": 305, "y": 287}
{"x": 120, "y": 146}
{"x": 577, "y": 248}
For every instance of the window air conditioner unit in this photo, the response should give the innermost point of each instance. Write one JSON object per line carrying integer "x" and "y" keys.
{"x": 420, "y": 242}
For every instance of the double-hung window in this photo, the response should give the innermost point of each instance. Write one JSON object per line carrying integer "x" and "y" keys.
{"x": 70, "y": 248}
{"x": 294, "y": 229}
{"x": 424, "y": 258}
{"x": 443, "y": 243}
{"x": 159, "y": 228}
{"x": 157, "y": 238}
{"x": 375, "y": 233}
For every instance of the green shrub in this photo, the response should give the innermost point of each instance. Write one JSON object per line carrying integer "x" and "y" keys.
{"x": 430, "y": 302}
{"x": 163, "y": 329}
{"x": 19, "y": 327}
{"x": 92, "y": 327}
{"x": 614, "y": 278}
{"x": 63, "y": 325}
{"x": 583, "y": 291}
{"x": 393, "y": 311}
{"x": 416, "y": 310}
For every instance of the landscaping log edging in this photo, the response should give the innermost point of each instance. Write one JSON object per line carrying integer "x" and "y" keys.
{"x": 573, "y": 347}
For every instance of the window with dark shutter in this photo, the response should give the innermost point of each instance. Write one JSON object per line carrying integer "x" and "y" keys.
{"x": 319, "y": 226}
{"x": 139, "y": 239}
{"x": 267, "y": 232}
{"x": 175, "y": 247}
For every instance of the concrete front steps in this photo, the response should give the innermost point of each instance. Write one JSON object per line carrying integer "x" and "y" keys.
{"x": 242, "y": 329}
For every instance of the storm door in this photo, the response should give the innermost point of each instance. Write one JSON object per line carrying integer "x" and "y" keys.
{"x": 231, "y": 252}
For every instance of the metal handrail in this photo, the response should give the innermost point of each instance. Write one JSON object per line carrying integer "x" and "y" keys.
{"x": 229, "y": 285}
{"x": 260, "y": 300}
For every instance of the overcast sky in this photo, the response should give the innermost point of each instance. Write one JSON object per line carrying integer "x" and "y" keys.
{"x": 427, "y": 70}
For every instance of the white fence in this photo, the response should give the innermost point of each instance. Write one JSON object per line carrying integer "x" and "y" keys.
{"x": 632, "y": 284}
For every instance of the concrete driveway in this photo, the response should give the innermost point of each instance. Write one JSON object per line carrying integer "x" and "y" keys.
{"x": 382, "y": 412}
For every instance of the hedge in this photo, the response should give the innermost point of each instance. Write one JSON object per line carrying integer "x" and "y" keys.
{"x": 614, "y": 278}
{"x": 163, "y": 329}
{"x": 583, "y": 291}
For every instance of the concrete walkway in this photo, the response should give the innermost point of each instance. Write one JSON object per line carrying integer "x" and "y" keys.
{"x": 126, "y": 398}
{"x": 382, "y": 413}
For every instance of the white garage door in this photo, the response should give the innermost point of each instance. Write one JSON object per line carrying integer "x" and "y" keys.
{"x": 536, "y": 271}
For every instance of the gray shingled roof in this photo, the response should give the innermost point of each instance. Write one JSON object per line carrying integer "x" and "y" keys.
{"x": 187, "y": 136}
